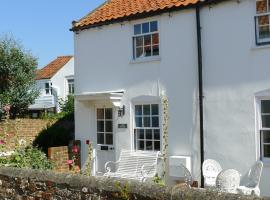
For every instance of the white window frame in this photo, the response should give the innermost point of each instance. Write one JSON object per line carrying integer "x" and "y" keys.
{"x": 145, "y": 58}
{"x": 135, "y": 139}
{"x": 68, "y": 92}
{"x": 50, "y": 88}
{"x": 104, "y": 133}
{"x": 257, "y": 15}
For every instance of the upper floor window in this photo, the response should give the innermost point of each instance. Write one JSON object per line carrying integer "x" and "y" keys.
{"x": 70, "y": 86}
{"x": 146, "y": 40}
{"x": 262, "y": 21}
{"x": 48, "y": 88}
{"x": 265, "y": 129}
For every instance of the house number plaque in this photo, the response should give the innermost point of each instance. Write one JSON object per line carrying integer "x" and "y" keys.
{"x": 122, "y": 125}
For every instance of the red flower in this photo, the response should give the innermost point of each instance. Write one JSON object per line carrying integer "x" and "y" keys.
{"x": 75, "y": 149}
{"x": 2, "y": 142}
{"x": 69, "y": 162}
{"x": 87, "y": 141}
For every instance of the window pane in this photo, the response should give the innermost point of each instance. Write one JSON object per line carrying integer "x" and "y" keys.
{"x": 149, "y": 134}
{"x": 140, "y": 134}
{"x": 146, "y": 109}
{"x": 109, "y": 126}
{"x": 155, "y": 39}
{"x": 155, "y": 50}
{"x": 100, "y": 113}
{"x": 266, "y": 136}
{"x": 156, "y": 134}
{"x": 100, "y": 138}
{"x": 139, "y": 41}
{"x": 139, "y": 52}
{"x": 157, "y": 146}
{"x": 149, "y": 145}
{"x": 108, "y": 113}
{"x": 138, "y": 121}
{"x": 145, "y": 27}
{"x": 263, "y": 20}
{"x": 155, "y": 122}
{"x": 109, "y": 139}
{"x": 137, "y": 29}
{"x": 266, "y": 151}
{"x": 153, "y": 26}
{"x": 264, "y": 32}
{"x": 261, "y": 6}
{"x": 146, "y": 122}
{"x": 266, "y": 121}
{"x": 147, "y": 51}
{"x": 147, "y": 40}
{"x": 141, "y": 145}
{"x": 265, "y": 106}
{"x": 100, "y": 126}
{"x": 154, "y": 109}
{"x": 138, "y": 110}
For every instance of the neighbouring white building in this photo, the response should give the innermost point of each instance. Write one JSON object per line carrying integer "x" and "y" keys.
{"x": 128, "y": 54}
{"x": 55, "y": 81}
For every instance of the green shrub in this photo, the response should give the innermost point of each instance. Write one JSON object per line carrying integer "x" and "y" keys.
{"x": 67, "y": 106}
{"x": 27, "y": 157}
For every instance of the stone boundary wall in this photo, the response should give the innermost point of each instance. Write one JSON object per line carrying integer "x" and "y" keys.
{"x": 28, "y": 184}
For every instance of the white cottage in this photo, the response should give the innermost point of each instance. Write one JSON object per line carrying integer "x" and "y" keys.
{"x": 210, "y": 58}
{"x": 55, "y": 81}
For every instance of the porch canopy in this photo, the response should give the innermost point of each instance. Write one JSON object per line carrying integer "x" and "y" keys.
{"x": 114, "y": 96}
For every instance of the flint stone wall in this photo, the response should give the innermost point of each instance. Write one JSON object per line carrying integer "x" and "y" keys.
{"x": 24, "y": 184}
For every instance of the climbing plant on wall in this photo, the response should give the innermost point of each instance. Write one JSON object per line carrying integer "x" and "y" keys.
{"x": 165, "y": 123}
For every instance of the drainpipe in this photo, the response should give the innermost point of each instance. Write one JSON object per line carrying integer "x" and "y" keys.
{"x": 200, "y": 82}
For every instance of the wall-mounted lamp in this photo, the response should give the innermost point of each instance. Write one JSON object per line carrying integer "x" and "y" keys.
{"x": 121, "y": 111}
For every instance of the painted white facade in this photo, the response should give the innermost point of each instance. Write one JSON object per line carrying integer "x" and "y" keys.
{"x": 235, "y": 71}
{"x": 59, "y": 86}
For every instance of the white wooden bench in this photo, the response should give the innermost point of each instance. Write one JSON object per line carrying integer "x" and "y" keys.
{"x": 136, "y": 165}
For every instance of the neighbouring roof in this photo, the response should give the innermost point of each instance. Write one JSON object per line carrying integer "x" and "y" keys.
{"x": 113, "y": 10}
{"x": 52, "y": 68}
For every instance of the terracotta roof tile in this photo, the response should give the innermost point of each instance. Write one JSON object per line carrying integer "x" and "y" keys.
{"x": 117, "y": 9}
{"x": 52, "y": 68}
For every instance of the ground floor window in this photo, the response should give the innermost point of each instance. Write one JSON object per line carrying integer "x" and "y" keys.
{"x": 105, "y": 126}
{"x": 265, "y": 128}
{"x": 147, "y": 127}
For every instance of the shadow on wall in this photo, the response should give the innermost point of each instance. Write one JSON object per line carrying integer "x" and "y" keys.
{"x": 56, "y": 134}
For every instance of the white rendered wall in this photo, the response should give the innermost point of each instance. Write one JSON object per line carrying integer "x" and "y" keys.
{"x": 103, "y": 63}
{"x": 234, "y": 70}
{"x": 59, "y": 80}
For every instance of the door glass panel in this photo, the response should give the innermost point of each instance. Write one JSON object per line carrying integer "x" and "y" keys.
{"x": 108, "y": 113}
{"x": 266, "y": 121}
{"x": 100, "y": 126}
{"x": 109, "y": 126}
{"x": 265, "y": 104}
{"x": 109, "y": 139}
{"x": 266, "y": 137}
{"x": 100, "y": 138}
{"x": 100, "y": 113}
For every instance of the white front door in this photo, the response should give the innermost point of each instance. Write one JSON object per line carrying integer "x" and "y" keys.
{"x": 105, "y": 137}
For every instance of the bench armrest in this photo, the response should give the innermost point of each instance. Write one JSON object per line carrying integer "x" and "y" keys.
{"x": 108, "y": 168}
{"x": 144, "y": 172}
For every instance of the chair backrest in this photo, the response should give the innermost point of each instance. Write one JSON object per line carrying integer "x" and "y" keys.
{"x": 131, "y": 162}
{"x": 211, "y": 168}
{"x": 254, "y": 174}
{"x": 228, "y": 180}
{"x": 187, "y": 174}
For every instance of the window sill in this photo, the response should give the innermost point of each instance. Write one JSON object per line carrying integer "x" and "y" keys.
{"x": 256, "y": 47}
{"x": 143, "y": 60}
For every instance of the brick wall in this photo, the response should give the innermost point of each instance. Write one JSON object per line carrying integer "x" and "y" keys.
{"x": 33, "y": 184}
{"x": 27, "y": 129}
{"x": 59, "y": 157}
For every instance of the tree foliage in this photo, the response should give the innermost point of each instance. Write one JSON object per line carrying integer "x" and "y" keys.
{"x": 17, "y": 76}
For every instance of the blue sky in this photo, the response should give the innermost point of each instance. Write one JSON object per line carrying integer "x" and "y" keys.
{"x": 42, "y": 26}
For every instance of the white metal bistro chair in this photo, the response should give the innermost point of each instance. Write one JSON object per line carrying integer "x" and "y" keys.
{"x": 211, "y": 169}
{"x": 254, "y": 176}
{"x": 228, "y": 181}
{"x": 187, "y": 175}
{"x": 136, "y": 165}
